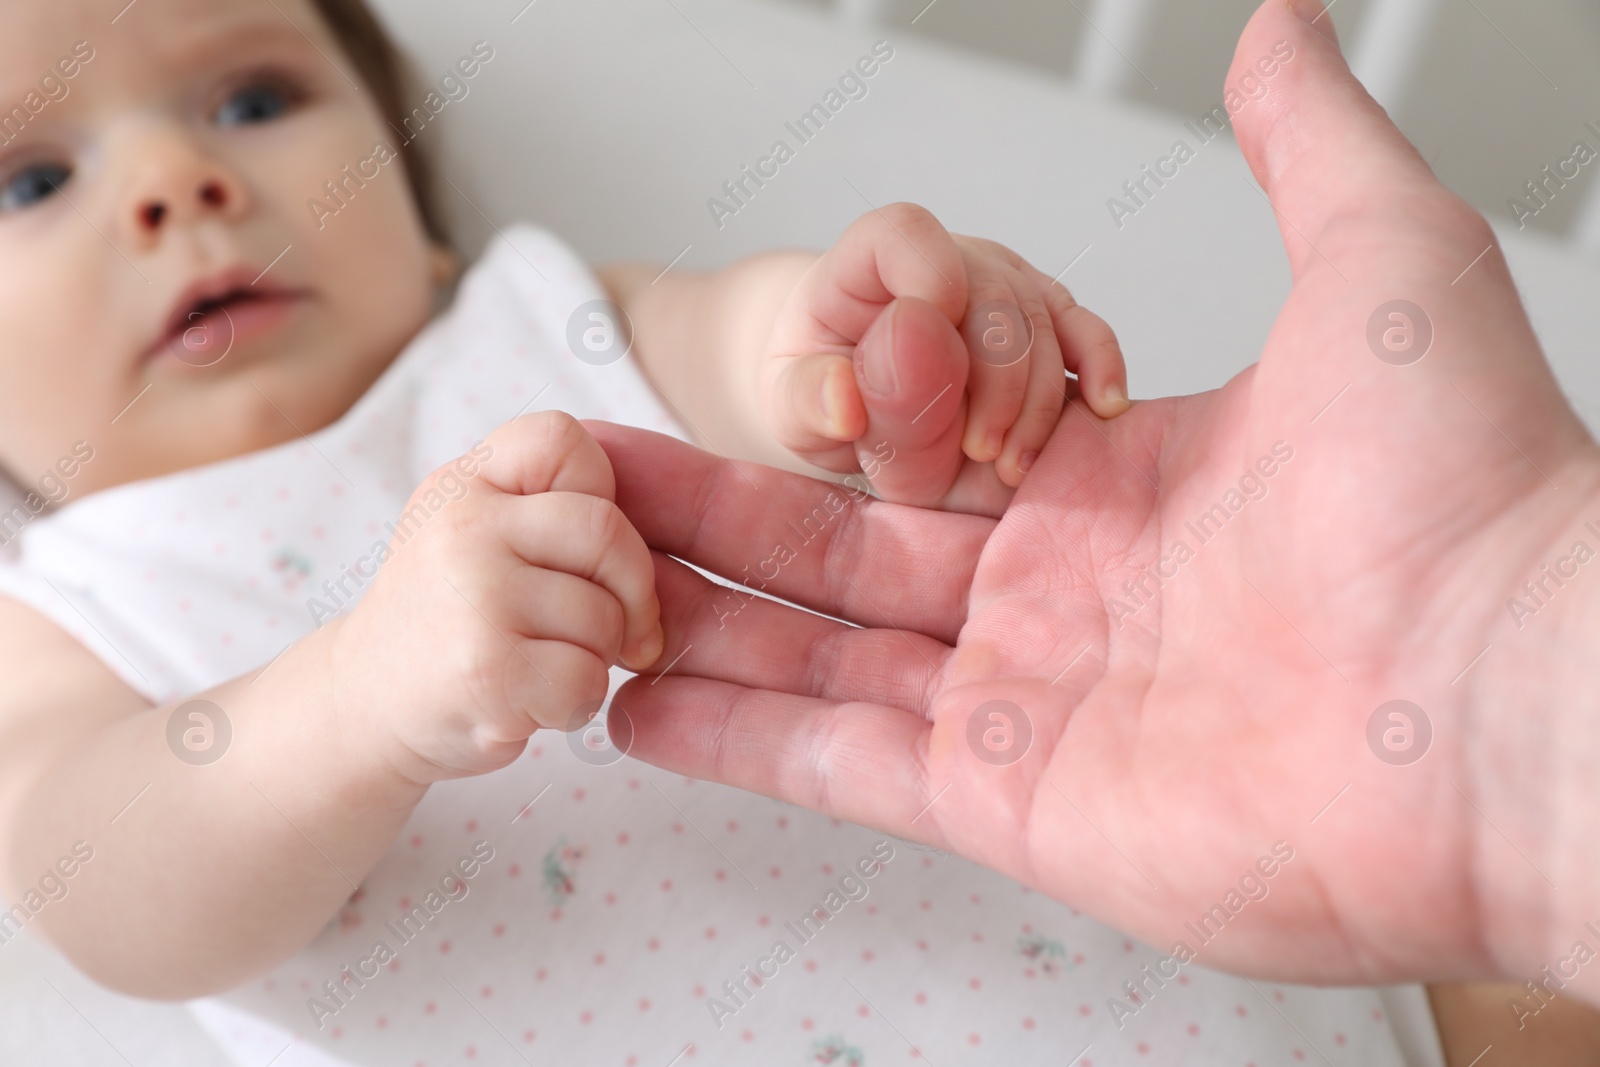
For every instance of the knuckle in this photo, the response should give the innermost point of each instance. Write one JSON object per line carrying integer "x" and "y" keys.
{"x": 556, "y": 429}
{"x": 986, "y": 278}
{"x": 1059, "y": 298}
{"x": 1040, "y": 323}
{"x": 1100, "y": 344}
{"x": 992, "y": 250}
{"x": 479, "y": 669}
{"x": 537, "y": 430}
{"x": 441, "y": 512}
{"x": 1000, "y": 391}
{"x": 986, "y": 286}
{"x": 1108, "y": 348}
{"x": 905, "y": 214}
{"x": 1043, "y": 406}
{"x": 466, "y": 519}
{"x": 502, "y": 433}
{"x": 506, "y": 433}
{"x": 1037, "y": 312}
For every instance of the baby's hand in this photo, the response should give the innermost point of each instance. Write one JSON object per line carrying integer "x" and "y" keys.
{"x": 938, "y": 350}
{"x": 507, "y": 597}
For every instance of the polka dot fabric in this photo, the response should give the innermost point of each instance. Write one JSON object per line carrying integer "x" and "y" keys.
{"x": 573, "y": 908}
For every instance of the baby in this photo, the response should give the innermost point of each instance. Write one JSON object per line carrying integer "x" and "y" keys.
{"x": 300, "y": 556}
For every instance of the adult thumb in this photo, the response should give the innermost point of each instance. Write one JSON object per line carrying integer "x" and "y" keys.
{"x": 1328, "y": 155}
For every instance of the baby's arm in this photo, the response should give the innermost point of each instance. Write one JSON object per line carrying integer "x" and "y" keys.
{"x": 699, "y": 336}
{"x": 499, "y": 616}
{"x": 197, "y": 876}
{"x": 904, "y": 340}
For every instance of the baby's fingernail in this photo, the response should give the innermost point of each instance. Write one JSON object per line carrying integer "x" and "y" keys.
{"x": 836, "y": 393}
{"x": 1025, "y": 463}
{"x": 1113, "y": 400}
{"x": 653, "y": 646}
{"x": 992, "y": 442}
{"x": 829, "y": 409}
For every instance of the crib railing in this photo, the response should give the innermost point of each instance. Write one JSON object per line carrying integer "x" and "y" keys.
{"x": 1383, "y": 53}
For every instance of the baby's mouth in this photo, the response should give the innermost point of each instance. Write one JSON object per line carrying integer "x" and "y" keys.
{"x": 203, "y": 330}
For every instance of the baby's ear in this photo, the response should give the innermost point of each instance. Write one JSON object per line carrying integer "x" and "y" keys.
{"x": 442, "y": 265}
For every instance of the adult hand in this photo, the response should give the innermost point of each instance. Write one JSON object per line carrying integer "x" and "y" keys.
{"x": 1188, "y": 709}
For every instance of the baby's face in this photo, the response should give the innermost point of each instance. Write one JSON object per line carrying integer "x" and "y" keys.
{"x": 142, "y": 196}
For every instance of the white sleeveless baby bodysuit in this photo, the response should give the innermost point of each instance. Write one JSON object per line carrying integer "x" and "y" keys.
{"x": 577, "y": 907}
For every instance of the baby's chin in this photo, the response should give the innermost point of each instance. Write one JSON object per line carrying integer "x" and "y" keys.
{"x": 251, "y": 375}
{"x": 253, "y": 400}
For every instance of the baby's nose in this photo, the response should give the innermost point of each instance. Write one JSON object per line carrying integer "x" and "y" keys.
{"x": 211, "y": 193}
{"x": 178, "y": 185}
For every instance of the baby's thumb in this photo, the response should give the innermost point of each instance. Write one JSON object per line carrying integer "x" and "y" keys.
{"x": 813, "y": 406}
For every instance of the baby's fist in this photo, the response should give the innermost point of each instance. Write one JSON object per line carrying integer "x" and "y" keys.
{"x": 946, "y": 352}
{"x": 501, "y": 604}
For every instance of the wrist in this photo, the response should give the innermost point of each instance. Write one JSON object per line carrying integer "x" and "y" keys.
{"x": 311, "y": 683}
{"x": 748, "y": 301}
{"x": 1531, "y": 743}
{"x": 702, "y": 341}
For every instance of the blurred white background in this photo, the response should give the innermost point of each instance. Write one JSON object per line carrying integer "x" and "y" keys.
{"x": 1490, "y": 90}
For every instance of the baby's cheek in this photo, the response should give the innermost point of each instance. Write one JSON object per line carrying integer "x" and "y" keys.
{"x": 385, "y": 290}
{"x": 346, "y": 203}
{"x": 55, "y": 327}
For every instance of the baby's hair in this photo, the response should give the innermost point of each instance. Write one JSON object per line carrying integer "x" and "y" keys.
{"x": 385, "y": 72}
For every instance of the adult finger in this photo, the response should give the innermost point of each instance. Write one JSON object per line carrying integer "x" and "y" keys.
{"x": 912, "y": 366}
{"x": 861, "y": 762}
{"x": 1375, "y": 241}
{"x": 828, "y": 547}
{"x": 1325, "y": 152}
{"x": 735, "y": 636}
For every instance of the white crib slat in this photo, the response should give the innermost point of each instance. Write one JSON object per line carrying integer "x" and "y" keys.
{"x": 1111, "y": 41}
{"x": 1587, "y": 229}
{"x": 1388, "y": 49}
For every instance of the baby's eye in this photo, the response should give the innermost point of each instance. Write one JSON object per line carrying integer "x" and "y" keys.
{"x": 254, "y": 103}
{"x": 32, "y": 184}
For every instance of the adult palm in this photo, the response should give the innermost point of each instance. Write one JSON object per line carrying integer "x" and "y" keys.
{"x": 1188, "y": 707}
